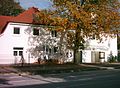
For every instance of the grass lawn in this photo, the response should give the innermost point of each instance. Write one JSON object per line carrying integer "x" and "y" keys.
{"x": 53, "y": 68}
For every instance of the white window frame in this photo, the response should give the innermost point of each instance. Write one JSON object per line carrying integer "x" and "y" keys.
{"x": 17, "y": 51}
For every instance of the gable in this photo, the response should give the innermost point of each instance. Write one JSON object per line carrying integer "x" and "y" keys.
{"x": 25, "y": 17}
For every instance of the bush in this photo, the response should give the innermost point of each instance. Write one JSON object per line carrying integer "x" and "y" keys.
{"x": 118, "y": 58}
{"x": 112, "y": 59}
{"x": 51, "y": 61}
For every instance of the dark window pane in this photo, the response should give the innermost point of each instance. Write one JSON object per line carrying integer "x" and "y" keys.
{"x": 47, "y": 48}
{"x": 50, "y": 51}
{"x": 20, "y": 53}
{"x": 16, "y": 30}
{"x": 43, "y": 47}
{"x": 92, "y": 36}
{"x": 35, "y": 32}
{"x": 54, "y": 33}
{"x": 15, "y": 53}
{"x": 55, "y": 49}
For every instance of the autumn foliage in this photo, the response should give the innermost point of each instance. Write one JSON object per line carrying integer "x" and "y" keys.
{"x": 84, "y": 17}
{"x": 89, "y": 15}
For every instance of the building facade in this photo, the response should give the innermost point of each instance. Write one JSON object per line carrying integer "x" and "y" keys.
{"x": 19, "y": 36}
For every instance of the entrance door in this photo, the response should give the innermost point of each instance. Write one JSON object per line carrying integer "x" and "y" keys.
{"x": 95, "y": 56}
{"x": 17, "y": 52}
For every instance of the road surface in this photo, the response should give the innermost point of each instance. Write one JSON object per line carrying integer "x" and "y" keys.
{"x": 85, "y": 79}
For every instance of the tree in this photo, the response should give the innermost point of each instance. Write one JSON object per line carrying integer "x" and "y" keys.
{"x": 85, "y": 18}
{"x": 118, "y": 42}
{"x": 10, "y": 8}
{"x": 118, "y": 46}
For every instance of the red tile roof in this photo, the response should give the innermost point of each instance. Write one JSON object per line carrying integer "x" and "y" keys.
{"x": 3, "y": 22}
{"x": 25, "y": 17}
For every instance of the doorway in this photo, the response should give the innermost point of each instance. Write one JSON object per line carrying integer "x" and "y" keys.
{"x": 95, "y": 56}
{"x": 17, "y": 53}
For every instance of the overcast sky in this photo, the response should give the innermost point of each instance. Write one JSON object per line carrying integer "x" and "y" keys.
{"x": 41, "y": 4}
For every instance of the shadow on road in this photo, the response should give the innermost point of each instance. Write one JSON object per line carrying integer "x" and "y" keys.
{"x": 4, "y": 81}
{"x": 97, "y": 79}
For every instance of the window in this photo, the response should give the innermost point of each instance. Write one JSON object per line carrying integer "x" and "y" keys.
{"x": 92, "y": 37}
{"x": 102, "y": 55}
{"x": 17, "y": 51}
{"x": 69, "y": 54}
{"x": 35, "y": 31}
{"x": 46, "y": 49}
{"x": 49, "y": 50}
{"x": 55, "y": 49}
{"x": 20, "y": 53}
{"x": 54, "y": 33}
{"x": 16, "y": 30}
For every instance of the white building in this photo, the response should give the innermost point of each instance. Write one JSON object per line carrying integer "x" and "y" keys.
{"x": 100, "y": 51}
{"x": 19, "y": 36}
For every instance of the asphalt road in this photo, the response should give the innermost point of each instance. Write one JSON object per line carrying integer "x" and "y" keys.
{"x": 86, "y": 79}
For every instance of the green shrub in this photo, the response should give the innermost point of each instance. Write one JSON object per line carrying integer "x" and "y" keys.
{"x": 118, "y": 58}
{"x": 112, "y": 59}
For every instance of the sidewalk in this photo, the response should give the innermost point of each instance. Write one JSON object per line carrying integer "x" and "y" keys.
{"x": 100, "y": 67}
{"x": 106, "y": 66}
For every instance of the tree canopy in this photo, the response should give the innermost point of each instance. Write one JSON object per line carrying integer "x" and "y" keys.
{"x": 85, "y": 17}
{"x": 10, "y": 8}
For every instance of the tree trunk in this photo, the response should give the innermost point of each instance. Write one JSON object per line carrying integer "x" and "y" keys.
{"x": 76, "y": 48}
{"x": 74, "y": 59}
{"x": 77, "y": 54}
{"x": 80, "y": 57}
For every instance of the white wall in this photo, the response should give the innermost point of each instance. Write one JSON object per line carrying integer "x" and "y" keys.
{"x": 86, "y": 56}
{"x": 113, "y": 46}
{"x": 8, "y": 40}
{"x": 107, "y": 45}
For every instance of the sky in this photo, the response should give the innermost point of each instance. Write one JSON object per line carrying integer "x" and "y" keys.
{"x": 41, "y": 4}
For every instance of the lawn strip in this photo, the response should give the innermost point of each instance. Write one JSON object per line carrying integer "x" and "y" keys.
{"x": 54, "y": 69}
